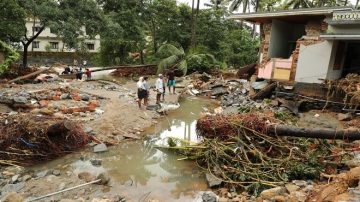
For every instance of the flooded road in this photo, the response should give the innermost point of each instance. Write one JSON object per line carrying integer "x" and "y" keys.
{"x": 140, "y": 172}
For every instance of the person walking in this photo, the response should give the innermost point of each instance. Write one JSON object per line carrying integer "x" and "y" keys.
{"x": 159, "y": 87}
{"x": 141, "y": 91}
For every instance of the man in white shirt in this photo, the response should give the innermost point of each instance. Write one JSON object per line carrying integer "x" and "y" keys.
{"x": 159, "y": 87}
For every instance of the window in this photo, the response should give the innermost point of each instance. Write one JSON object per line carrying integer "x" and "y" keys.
{"x": 54, "y": 45}
{"x": 36, "y": 44}
{"x": 36, "y": 29}
{"x": 52, "y": 31}
{"x": 90, "y": 46}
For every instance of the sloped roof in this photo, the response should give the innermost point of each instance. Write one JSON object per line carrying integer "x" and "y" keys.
{"x": 295, "y": 15}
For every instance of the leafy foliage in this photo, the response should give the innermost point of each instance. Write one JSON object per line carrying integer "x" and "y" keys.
{"x": 10, "y": 54}
{"x": 12, "y": 23}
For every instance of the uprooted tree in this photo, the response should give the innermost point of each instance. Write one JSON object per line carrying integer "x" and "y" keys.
{"x": 70, "y": 20}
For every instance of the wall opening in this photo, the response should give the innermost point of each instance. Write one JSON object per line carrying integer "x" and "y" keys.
{"x": 352, "y": 59}
{"x": 283, "y": 38}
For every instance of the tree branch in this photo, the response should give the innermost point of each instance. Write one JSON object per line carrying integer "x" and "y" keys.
{"x": 36, "y": 35}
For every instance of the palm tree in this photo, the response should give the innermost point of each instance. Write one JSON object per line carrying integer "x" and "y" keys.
{"x": 174, "y": 57}
{"x": 296, "y": 4}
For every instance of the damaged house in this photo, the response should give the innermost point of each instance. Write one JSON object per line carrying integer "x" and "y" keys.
{"x": 307, "y": 45}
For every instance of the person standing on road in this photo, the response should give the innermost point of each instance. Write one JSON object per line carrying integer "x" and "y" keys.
{"x": 159, "y": 87}
{"x": 141, "y": 91}
{"x": 147, "y": 87}
{"x": 171, "y": 80}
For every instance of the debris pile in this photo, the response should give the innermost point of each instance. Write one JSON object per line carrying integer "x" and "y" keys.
{"x": 350, "y": 86}
{"x": 25, "y": 141}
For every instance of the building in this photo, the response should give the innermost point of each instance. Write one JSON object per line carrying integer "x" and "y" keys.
{"x": 307, "y": 45}
{"x": 47, "y": 41}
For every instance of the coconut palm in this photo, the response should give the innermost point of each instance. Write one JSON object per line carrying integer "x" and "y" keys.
{"x": 173, "y": 57}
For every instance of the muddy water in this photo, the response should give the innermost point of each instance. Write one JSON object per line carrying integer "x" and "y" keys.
{"x": 140, "y": 172}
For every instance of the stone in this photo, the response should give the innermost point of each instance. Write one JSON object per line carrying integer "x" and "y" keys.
{"x": 100, "y": 148}
{"x": 86, "y": 176}
{"x": 20, "y": 100}
{"x": 209, "y": 196}
{"x": 26, "y": 178}
{"x": 105, "y": 179}
{"x": 212, "y": 181}
{"x": 65, "y": 96}
{"x": 344, "y": 117}
{"x": 15, "y": 179}
{"x": 270, "y": 193}
{"x": 291, "y": 187}
{"x": 96, "y": 162}
{"x": 56, "y": 172}
{"x": 88, "y": 130}
{"x": 84, "y": 97}
{"x": 12, "y": 187}
{"x": 300, "y": 183}
{"x": 82, "y": 114}
{"x": 13, "y": 197}
{"x": 42, "y": 174}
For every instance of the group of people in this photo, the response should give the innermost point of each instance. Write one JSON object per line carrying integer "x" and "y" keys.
{"x": 160, "y": 88}
{"x": 78, "y": 70}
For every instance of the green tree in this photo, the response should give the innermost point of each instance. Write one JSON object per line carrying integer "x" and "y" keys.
{"x": 175, "y": 58}
{"x": 11, "y": 56}
{"x": 66, "y": 18}
{"x": 12, "y": 21}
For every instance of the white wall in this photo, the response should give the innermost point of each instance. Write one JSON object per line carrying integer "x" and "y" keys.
{"x": 314, "y": 61}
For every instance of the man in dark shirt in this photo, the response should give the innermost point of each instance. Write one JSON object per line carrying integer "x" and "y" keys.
{"x": 171, "y": 80}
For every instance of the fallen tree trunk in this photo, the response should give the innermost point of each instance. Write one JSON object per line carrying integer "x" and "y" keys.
{"x": 227, "y": 127}
{"x": 263, "y": 93}
{"x": 124, "y": 66}
{"x": 321, "y": 133}
{"x": 29, "y": 75}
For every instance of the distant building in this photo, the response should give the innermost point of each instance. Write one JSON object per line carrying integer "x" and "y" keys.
{"x": 307, "y": 45}
{"x": 48, "y": 41}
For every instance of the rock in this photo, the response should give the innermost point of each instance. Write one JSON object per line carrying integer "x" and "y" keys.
{"x": 100, "y": 148}
{"x": 212, "y": 181}
{"x": 291, "y": 187}
{"x": 86, "y": 176}
{"x": 65, "y": 96}
{"x": 13, "y": 197}
{"x": 300, "y": 183}
{"x": 15, "y": 179}
{"x": 88, "y": 130}
{"x": 96, "y": 162}
{"x": 42, "y": 174}
{"x": 61, "y": 186}
{"x": 20, "y": 100}
{"x": 82, "y": 114}
{"x": 26, "y": 178}
{"x": 297, "y": 196}
{"x": 105, "y": 179}
{"x": 12, "y": 187}
{"x": 84, "y": 97}
{"x": 344, "y": 117}
{"x": 209, "y": 196}
{"x": 56, "y": 172}
{"x": 270, "y": 193}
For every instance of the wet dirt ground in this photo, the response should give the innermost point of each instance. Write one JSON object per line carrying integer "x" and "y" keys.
{"x": 138, "y": 171}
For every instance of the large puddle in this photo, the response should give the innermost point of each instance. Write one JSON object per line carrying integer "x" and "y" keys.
{"x": 139, "y": 171}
